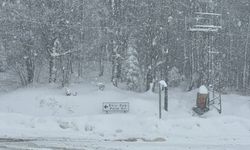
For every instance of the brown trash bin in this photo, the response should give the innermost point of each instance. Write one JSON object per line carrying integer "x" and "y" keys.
{"x": 201, "y": 101}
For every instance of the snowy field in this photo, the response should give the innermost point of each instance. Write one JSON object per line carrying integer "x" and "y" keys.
{"x": 44, "y": 118}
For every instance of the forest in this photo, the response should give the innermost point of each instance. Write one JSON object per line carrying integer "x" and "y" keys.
{"x": 140, "y": 42}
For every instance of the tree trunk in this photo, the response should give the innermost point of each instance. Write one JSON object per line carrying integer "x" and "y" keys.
{"x": 52, "y": 69}
{"x": 245, "y": 71}
{"x": 30, "y": 70}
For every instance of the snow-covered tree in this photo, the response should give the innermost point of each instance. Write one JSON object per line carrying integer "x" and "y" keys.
{"x": 131, "y": 69}
{"x": 174, "y": 77}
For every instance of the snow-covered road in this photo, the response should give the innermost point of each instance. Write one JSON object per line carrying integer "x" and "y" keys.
{"x": 86, "y": 144}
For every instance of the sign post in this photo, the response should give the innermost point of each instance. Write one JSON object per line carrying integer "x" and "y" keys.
{"x": 162, "y": 84}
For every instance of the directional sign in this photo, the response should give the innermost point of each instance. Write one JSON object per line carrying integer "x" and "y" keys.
{"x": 115, "y": 107}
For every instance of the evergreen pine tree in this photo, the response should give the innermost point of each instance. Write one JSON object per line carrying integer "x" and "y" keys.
{"x": 131, "y": 69}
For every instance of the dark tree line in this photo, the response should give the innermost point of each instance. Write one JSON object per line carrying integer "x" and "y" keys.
{"x": 139, "y": 41}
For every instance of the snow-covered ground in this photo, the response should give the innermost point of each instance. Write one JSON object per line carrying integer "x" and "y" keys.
{"x": 47, "y": 115}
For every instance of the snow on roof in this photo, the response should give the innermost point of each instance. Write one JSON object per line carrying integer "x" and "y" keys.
{"x": 203, "y": 90}
{"x": 203, "y": 13}
{"x": 208, "y": 26}
{"x": 206, "y": 1}
{"x": 204, "y": 29}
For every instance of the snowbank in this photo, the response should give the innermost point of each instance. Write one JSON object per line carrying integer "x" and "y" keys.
{"x": 47, "y": 112}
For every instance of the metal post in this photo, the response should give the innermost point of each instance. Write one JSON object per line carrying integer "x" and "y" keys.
{"x": 166, "y": 99}
{"x": 220, "y": 111}
{"x": 159, "y": 101}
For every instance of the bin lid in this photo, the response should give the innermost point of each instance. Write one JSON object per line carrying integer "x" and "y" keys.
{"x": 203, "y": 89}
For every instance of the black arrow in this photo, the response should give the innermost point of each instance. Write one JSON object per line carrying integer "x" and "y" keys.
{"x": 105, "y": 106}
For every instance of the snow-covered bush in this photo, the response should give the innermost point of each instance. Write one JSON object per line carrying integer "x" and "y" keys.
{"x": 101, "y": 86}
{"x": 67, "y": 92}
{"x": 174, "y": 77}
